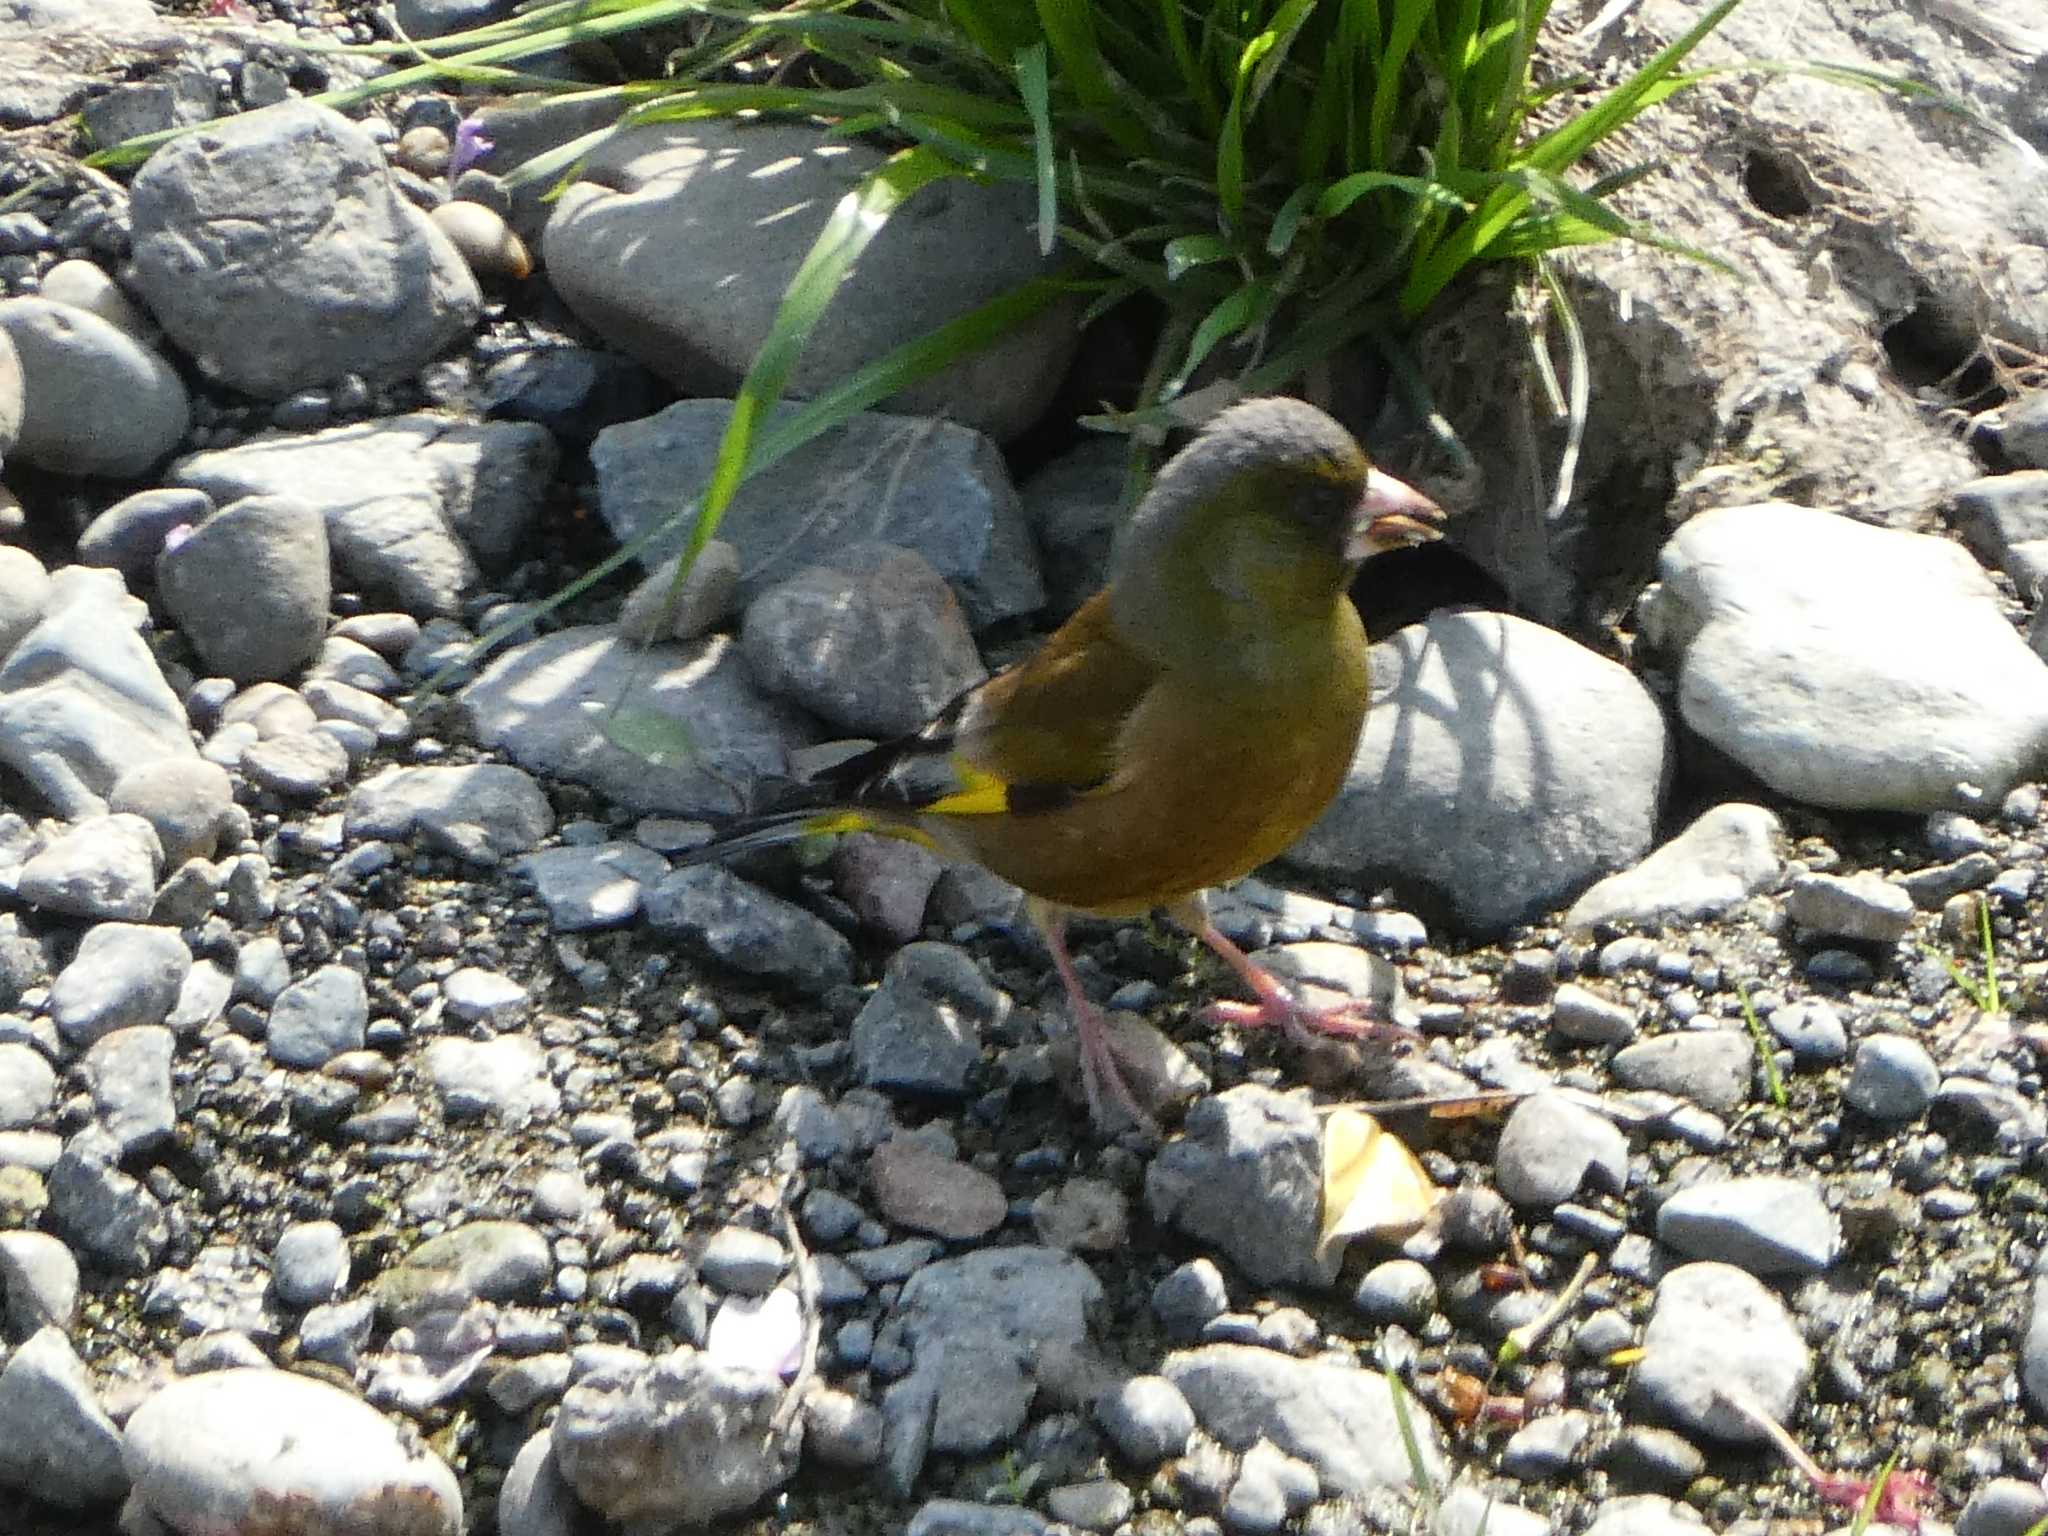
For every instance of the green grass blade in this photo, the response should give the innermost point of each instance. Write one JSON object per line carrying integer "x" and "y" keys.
{"x": 1069, "y": 27}
{"x": 1389, "y": 70}
{"x": 1766, "y": 1057}
{"x": 1034, "y": 86}
{"x": 859, "y": 217}
{"x": 1563, "y": 146}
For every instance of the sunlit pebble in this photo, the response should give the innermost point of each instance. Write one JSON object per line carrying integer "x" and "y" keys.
{"x": 424, "y": 151}
{"x": 486, "y": 242}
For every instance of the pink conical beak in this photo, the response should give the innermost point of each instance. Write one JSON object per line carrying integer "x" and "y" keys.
{"x": 1392, "y": 514}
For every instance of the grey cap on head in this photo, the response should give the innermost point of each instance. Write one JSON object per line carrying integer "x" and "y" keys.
{"x": 1268, "y": 433}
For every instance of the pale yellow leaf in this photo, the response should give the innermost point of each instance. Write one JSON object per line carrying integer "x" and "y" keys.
{"x": 1372, "y": 1184}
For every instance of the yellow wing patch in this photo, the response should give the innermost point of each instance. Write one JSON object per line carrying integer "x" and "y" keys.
{"x": 980, "y": 793}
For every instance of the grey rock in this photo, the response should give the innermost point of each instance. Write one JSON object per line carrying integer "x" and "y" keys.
{"x": 1468, "y": 1509}
{"x": 413, "y": 504}
{"x": 318, "y": 1018}
{"x": 309, "y": 1265}
{"x": 987, "y": 1331}
{"x": 437, "y": 18}
{"x": 55, "y": 1440}
{"x": 1585, "y": 1016}
{"x": 2023, "y": 431}
{"x": 103, "y": 1212}
{"x": 341, "y": 275}
{"x": 502, "y": 1261}
{"x": 335, "y": 702}
{"x": 1812, "y": 1031}
{"x": 1188, "y": 1296}
{"x": 1852, "y": 667}
{"x": 1648, "y": 1457}
{"x": 39, "y": 1279}
{"x": 1075, "y": 504}
{"x": 177, "y": 98}
{"x": 1551, "y": 1148}
{"x": 28, "y": 1085}
{"x": 657, "y": 609}
{"x": 1765, "y": 1223}
{"x": 82, "y": 700}
{"x": 921, "y": 1030}
{"x": 186, "y": 800}
{"x": 743, "y": 1261}
{"x": 1544, "y": 1447}
{"x": 743, "y": 926}
{"x": 491, "y": 998}
{"x": 230, "y": 1446}
{"x": 698, "y": 735}
{"x": 130, "y": 534}
{"x": 1711, "y": 1067}
{"x": 961, "y": 1517}
{"x": 24, "y": 594}
{"x": 1715, "y": 1329}
{"x": 586, "y": 888}
{"x": 98, "y": 402}
{"x": 1645, "y": 1514}
{"x": 128, "y": 1074}
{"x": 205, "y": 996}
{"x": 1864, "y": 908}
{"x": 887, "y": 881}
{"x": 261, "y": 970}
{"x": 482, "y": 812}
{"x": 681, "y": 1441}
{"x": 2004, "y": 1506}
{"x": 1727, "y": 854}
{"x": 1337, "y": 1418}
{"x": 249, "y": 587}
{"x": 1102, "y": 1504}
{"x": 1270, "y": 1485}
{"x": 935, "y": 487}
{"x": 505, "y": 1078}
{"x": 2004, "y": 521}
{"x": 2034, "y": 1342}
{"x": 13, "y": 396}
{"x": 386, "y": 634}
{"x": 641, "y": 247}
{"x": 871, "y": 640}
{"x": 104, "y": 868}
{"x": 1891, "y": 1078}
{"x": 1246, "y": 1176}
{"x": 86, "y": 285}
{"x": 2003, "y": 1115}
{"x": 298, "y": 765}
{"x": 1497, "y": 812}
{"x": 338, "y": 1332}
{"x": 534, "y": 1500}
{"x": 22, "y": 963}
{"x": 1147, "y": 1418}
{"x": 1396, "y": 1291}
{"x": 123, "y": 975}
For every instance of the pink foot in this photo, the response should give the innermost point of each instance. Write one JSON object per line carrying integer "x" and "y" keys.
{"x": 1303, "y": 1023}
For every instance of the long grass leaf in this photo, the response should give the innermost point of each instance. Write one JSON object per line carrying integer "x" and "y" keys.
{"x": 1034, "y": 86}
{"x": 1069, "y": 27}
{"x": 860, "y": 215}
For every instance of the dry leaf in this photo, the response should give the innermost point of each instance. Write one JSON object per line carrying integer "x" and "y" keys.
{"x": 1372, "y": 1184}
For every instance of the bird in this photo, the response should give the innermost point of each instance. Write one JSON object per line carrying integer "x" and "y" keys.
{"x": 1182, "y": 728}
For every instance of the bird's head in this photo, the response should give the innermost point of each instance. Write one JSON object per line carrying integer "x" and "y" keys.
{"x": 1274, "y": 504}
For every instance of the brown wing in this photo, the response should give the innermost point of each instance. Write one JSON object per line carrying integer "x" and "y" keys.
{"x": 1028, "y": 739}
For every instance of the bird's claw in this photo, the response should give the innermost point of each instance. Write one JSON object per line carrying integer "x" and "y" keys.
{"x": 1303, "y": 1022}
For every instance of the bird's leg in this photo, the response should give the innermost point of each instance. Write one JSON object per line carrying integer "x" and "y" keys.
{"x": 1277, "y": 1008}
{"x": 1099, "y": 1072}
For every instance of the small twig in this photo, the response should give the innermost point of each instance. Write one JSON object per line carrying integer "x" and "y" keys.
{"x": 1525, "y": 1338}
{"x": 807, "y": 1294}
